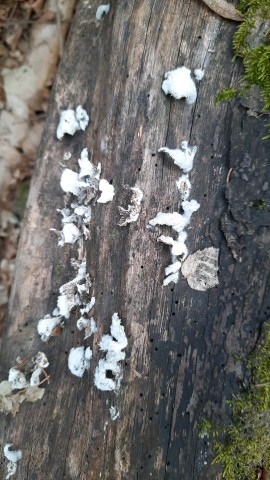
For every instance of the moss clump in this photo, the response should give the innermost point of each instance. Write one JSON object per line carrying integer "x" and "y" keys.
{"x": 21, "y": 198}
{"x": 247, "y": 445}
{"x": 251, "y": 43}
{"x": 260, "y": 204}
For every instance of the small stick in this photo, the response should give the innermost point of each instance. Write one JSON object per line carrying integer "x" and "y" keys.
{"x": 228, "y": 176}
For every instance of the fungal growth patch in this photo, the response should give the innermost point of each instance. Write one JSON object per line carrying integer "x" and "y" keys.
{"x": 107, "y": 191}
{"x": 74, "y": 292}
{"x": 79, "y": 360}
{"x": 84, "y": 185}
{"x": 179, "y": 84}
{"x": 47, "y": 327}
{"x": 23, "y": 383}
{"x": 198, "y": 74}
{"x": 131, "y": 214}
{"x": 201, "y": 269}
{"x": 109, "y": 373}
{"x": 183, "y": 157}
{"x": 88, "y": 325}
{"x": 13, "y": 457}
{"x": 102, "y": 10}
{"x": 71, "y": 121}
{"x": 178, "y": 222}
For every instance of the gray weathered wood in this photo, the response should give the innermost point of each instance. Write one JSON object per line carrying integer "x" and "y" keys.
{"x": 183, "y": 347}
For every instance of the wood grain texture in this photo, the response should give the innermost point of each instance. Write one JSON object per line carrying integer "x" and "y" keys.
{"x": 181, "y": 363}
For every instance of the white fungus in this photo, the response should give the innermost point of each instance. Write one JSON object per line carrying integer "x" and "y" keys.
{"x": 178, "y": 246}
{"x": 102, "y": 10}
{"x": 178, "y": 222}
{"x": 173, "y": 268}
{"x": 112, "y": 344}
{"x": 114, "y": 413}
{"x": 88, "y": 324}
{"x": 71, "y": 293}
{"x": 13, "y": 457}
{"x": 66, "y": 156}
{"x": 46, "y": 326}
{"x": 173, "y": 278}
{"x": 70, "y": 234}
{"x": 17, "y": 378}
{"x": 79, "y": 360}
{"x": 82, "y": 117}
{"x": 179, "y": 84}
{"x": 70, "y": 182}
{"x": 107, "y": 191}
{"x": 71, "y": 121}
{"x": 199, "y": 74}
{"x": 182, "y": 157}
{"x": 35, "y": 377}
{"x": 41, "y": 360}
{"x": 133, "y": 211}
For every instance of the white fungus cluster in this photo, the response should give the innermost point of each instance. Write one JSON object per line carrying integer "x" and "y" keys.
{"x": 71, "y": 121}
{"x": 179, "y": 84}
{"x": 178, "y": 221}
{"x": 109, "y": 373}
{"x": 13, "y": 457}
{"x": 84, "y": 185}
{"x": 74, "y": 293}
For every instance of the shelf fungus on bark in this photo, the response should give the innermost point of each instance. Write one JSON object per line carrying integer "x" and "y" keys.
{"x": 201, "y": 269}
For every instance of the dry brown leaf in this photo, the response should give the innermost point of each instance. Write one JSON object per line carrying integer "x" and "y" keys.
{"x": 10, "y": 402}
{"x": 201, "y": 269}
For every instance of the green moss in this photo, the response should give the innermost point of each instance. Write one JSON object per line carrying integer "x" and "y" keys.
{"x": 21, "y": 197}
{"x": 58, "y": 270}
{"x": 247, "y": 444}
{"x": 226, "y": 95}
{"x": 256, "y": 60}
{"x": 260, "y": 204}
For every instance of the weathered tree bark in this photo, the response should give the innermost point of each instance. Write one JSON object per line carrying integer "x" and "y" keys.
{"x": 183, "y": 354}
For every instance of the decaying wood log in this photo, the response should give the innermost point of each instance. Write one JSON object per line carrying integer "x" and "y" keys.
{"x": 183, "y": 350}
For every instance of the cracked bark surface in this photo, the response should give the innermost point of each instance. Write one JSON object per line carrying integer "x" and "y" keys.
{"x": 183, "y": 354}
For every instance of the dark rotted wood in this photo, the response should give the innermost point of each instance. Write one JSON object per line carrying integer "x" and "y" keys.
{"x": 184, "y": 346}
